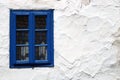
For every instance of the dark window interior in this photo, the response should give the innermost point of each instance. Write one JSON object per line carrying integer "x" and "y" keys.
{"x": 40, "y": 37}
{"x": 22, "y": 37}
{"x": 22, "y": 21}
{"x": 40, "y": 21}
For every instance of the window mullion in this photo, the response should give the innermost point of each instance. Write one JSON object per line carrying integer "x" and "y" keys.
{"x": 31, "y": 37}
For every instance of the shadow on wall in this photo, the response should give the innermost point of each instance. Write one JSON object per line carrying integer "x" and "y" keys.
{"x": 117, "y": 44}
{"x": 86, "y": 2}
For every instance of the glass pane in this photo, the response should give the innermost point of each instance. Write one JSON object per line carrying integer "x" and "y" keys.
{"x": 40, "y": 21}
{"x": 40, "y": 37}
{"x": 22, "y": 37}
{"x": 22, "y": 21}
{"x": 40, "y": 53}
{"x": 22, "y": 53}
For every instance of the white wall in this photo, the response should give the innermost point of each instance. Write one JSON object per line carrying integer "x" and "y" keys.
{"x": 86, "y": 40}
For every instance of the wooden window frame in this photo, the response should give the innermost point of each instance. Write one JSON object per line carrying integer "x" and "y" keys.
{"x": 31, "y": 21}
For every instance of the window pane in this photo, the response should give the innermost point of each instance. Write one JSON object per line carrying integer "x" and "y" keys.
{"x": 40, "y": 37}
{"x": 40, "y": 21}
{"x": 22, "y": 53}
{"x": 22, "y": 21}
{"x": 22, "y": 37}
{"x": 41, "y": 53}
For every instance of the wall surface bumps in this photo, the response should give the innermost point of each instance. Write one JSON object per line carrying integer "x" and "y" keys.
{"x": 86, "y": 40}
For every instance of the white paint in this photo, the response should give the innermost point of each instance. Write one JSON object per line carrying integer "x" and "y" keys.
{"x": 86, "y": 39}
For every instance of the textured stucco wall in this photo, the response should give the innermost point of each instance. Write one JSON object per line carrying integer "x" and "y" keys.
{"x": 86, "y": 40}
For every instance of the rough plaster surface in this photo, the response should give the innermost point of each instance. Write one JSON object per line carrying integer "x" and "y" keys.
{"x": 86, "y": 39}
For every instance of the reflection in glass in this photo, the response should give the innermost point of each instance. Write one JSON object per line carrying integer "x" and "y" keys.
{"x": 40, "y": 37}
{"x": 40, "y": 21}
{"x": 22, "y": 21}
{"x": 22, "y": 53}
{"x": 22, "y": 37}
{"x": 41, "y": 53}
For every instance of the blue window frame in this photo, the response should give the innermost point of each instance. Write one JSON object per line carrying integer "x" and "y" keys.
{"x": 31, "y": 38}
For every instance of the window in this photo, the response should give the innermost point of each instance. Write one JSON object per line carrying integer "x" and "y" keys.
{"x": 31, "y": 38}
